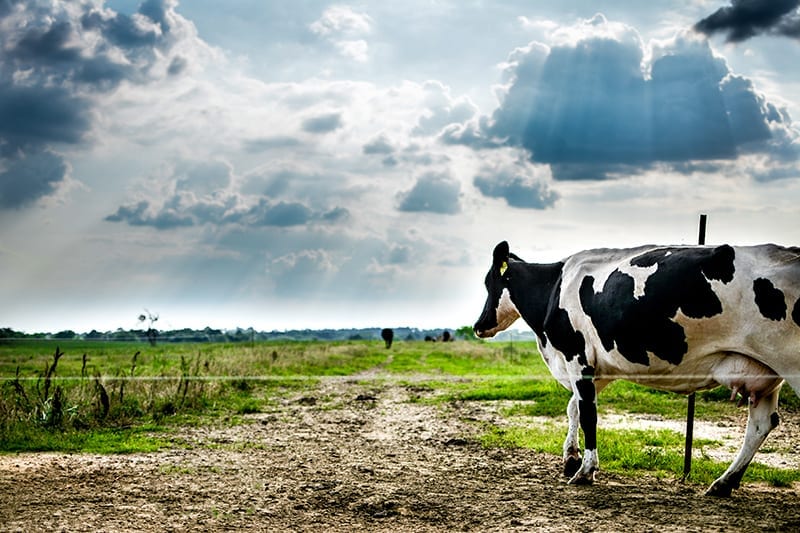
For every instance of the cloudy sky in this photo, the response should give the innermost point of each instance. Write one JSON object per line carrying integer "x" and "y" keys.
{"x": 313, "y": 164}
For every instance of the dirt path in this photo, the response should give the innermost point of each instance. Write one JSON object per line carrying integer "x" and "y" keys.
{"x": 355, "y": 457}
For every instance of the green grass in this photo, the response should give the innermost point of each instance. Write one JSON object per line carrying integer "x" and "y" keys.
{"x": 546, "y": 397}
{"x": 98, "y": 397}
{"x": 145, "y": 438}
{"x": 634, "y": 451}
{"x": 275, "y": 359}
{"x": 535, "y": 397}
{"x": 91, "y": 388}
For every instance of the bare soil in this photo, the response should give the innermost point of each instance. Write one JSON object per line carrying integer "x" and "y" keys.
{"x": 349, "y": 456}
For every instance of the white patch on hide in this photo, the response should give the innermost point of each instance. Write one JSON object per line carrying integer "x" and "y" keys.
{"x": 507, "y": 312}
{"x": 640, "y": 276}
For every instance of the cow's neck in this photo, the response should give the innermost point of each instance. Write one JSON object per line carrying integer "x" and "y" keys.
{"x": 531, "y": 286}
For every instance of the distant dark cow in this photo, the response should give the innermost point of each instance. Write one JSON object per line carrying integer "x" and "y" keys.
{"x": 388, "y": 336}
{"x": 674, "y": 318}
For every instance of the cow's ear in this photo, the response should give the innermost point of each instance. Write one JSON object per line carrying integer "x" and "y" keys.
{"x": 500, "y": 260}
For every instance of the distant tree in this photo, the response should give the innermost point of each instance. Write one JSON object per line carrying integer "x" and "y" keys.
{"x": 213, "y": 335}
{"x": 94, "y": 334}
{"x": 66, "y": 334}
{"x": 8, "y": 333}
{"x": 151, "y": 333}
{"x": 388, "y": 336}
{"x": 120, "y": 335}
{"x": 466, "y": 333}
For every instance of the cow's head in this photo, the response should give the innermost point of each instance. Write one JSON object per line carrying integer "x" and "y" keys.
{"x": 499, "y": 312}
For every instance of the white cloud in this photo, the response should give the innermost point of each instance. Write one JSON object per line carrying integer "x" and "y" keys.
{"x": 357, "y": 50}
{"x": 345, "y": 28}
{"x": 342, "y": 20}
{"x": 594, "y": 28}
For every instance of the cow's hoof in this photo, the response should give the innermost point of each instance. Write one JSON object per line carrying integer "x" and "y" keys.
{"x": 719, "y": 490}
{"x": 582, "y": 479}
{"x": 571, "y": 465}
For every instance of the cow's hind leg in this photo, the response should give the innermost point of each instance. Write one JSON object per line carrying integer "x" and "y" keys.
{"x": 762, "y": 418}
{"x": 572, "y": 450}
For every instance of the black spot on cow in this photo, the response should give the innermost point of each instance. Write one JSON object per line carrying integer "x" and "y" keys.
{"x": 775, "y": 420}
{"x": 558, "y": 329}
{"x": 796, "y": 312}
{"x": 769, "y": 299}
{"x": 637, "y": 326}
{"x": 587, "y": 407}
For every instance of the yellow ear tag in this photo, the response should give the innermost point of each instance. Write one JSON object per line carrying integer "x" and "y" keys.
{"x": 503, "y": 268}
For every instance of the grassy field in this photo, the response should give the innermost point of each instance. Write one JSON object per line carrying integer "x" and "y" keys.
{"x": 111, "y": 397}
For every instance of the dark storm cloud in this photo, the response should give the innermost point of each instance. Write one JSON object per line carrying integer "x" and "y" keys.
{"x": 32, "y": 117}
{"x": 434, "y": 193}
{"x": 380, "y": 145}
{"x": 157, "y": 11}
{"x": 7, "y": 5}
{"x": 26, "y": 179}
{"x": 120, "y": 29}
{"x": 206, "y": 193}
{"x": 287, "y": 214}
{"x": 53, "y": 61}
{"x": 177, "y": 66}
{"x": 337, "y": 214}
{"x": 264, "y": 144}
{"x": 55, "y": 46}
{"x": 281, "y": 214}
{"x": 139, "y": 214}
{"x": 744, "y": 19}
{"x": 323, "y": 123}
{"x": 399, "y": 255}
{"x": 183, "y": 212}
{"x": 517, "y": 189}
{"x": 590, "y": 112}
{"x": 48, "y": 44}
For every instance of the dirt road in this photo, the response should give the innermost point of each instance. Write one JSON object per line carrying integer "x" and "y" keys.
{"x": 356, "y": 457}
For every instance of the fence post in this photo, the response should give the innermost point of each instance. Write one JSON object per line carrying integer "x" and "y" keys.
{"x": 687, "y": 456}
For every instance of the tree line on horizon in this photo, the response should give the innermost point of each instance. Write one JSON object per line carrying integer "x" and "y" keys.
{"x": 209, "y": 334}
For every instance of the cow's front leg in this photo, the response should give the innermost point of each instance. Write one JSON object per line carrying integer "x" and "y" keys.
{"x": 572, "y": 450}
{"x": 762, "y": 418}
{"x": 586, "y": 393}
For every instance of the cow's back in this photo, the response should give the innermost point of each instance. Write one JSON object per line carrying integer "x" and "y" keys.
{"x": 662, "y": 308}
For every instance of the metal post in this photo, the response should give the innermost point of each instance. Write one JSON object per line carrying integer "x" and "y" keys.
{"x": 701, "y": 237}
{"x": 687, "y": 457}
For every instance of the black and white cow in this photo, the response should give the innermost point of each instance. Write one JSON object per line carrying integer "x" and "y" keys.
{"x": 679, "y": 318}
